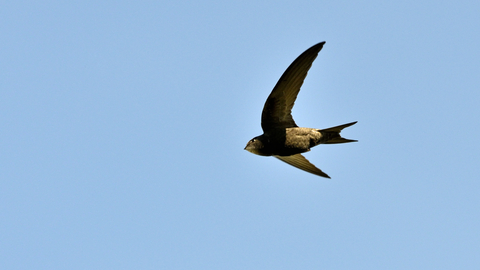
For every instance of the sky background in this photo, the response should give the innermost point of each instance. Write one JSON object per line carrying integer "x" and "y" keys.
{"x": 122, "y": 128}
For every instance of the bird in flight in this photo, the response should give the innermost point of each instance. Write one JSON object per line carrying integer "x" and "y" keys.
{"x": 281, "y": 137}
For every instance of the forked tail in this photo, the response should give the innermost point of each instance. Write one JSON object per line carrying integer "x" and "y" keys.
{"x": 333, "y": 134}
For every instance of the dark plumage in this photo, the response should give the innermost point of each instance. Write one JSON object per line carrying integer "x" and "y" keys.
{"x": 281, "y": 137}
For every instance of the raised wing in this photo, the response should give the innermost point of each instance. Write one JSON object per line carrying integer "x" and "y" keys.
{"x": 277, "y": 112}
{"x": 302, "y": 163}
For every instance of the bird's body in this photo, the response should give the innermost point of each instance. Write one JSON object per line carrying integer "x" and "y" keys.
{"x": 282, "y": 138}
{"x": 295, "y": 140}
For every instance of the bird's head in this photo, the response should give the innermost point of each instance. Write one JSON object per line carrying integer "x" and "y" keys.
{"x": 256, "y": 146}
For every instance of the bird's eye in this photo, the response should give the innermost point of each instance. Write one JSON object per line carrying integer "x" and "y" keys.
{"x": 253, "y": 140}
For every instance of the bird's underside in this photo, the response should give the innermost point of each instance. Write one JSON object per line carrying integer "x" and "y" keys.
{"x": 300, "y": 140}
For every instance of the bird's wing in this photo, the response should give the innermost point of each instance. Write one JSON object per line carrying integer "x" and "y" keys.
{"x": 277, "y": 112}
{"x": 302, "y": 163}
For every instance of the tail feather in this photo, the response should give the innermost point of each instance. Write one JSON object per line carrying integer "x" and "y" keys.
{"x": 333, "y": 134}
{"x": 339, "y": 140}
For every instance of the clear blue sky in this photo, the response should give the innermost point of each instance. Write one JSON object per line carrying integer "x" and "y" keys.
{"x": 122, "y": 128}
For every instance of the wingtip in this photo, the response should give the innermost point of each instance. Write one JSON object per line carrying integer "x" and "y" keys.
{"x": 320, "y": 44}
{"x": 317, "y": 47}
{"x": 324, "y": 175}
